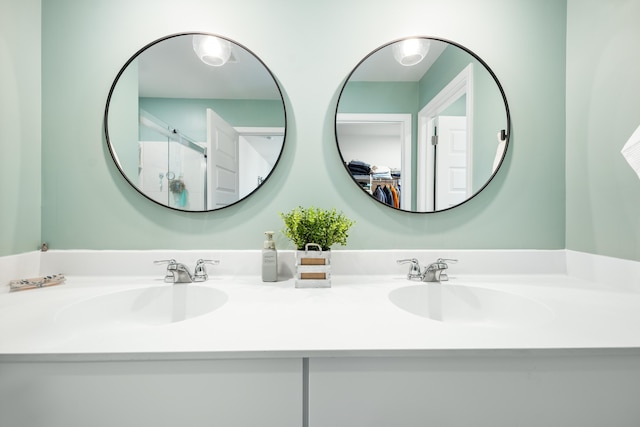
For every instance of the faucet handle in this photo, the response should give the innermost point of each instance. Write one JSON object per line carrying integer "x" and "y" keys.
{"x": 169, "y": 277}
{"x": 443, "y": 275}
{"x": 414, "y": 271}
{"x": 200, "y": 273}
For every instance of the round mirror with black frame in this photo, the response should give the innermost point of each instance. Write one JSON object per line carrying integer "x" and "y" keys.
{"x": 422, "y": 124}
{"x": 195, "y": 122}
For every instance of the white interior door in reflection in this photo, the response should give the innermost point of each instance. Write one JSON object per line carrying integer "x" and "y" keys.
{"x": 222, "y": 140}
{"x": 259, "y": 149}
{"x": 442, "y": 181}
{"x": 452, "y": 166}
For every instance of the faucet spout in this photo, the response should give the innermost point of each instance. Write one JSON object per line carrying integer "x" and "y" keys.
{"x": 176, "y": 272}
{"x": 434, "y": 272}
{"x": 180, "y": 273}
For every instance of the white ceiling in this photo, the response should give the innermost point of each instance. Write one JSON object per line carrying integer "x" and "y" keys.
{"x": 171, "y": 69}
{"x": 381, "y": 66}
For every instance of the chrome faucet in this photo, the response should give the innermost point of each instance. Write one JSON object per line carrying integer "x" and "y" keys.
{"x": 434, "y": 272}
{"x": 179, "y": 273}
{"x": 176, "y": 272}
{"x": 200, "y": 274}
{"x": 414, "y": 272}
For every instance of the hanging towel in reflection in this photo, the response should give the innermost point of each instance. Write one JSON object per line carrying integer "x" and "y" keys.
{"x": 502, "y": 143}
{"x": 183, "y": 199}
{"x": 631, "y": 151}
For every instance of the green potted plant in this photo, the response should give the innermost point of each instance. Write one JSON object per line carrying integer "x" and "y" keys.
{"x": 324, "y": 227}
{"x": 313, "y": 231}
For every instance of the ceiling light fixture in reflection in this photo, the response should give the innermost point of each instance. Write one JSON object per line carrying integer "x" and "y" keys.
{"x": 410, "y": 51}
{"x": 212, "y": 50}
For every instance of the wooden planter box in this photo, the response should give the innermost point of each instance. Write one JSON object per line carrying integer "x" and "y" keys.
{"x": 313, "y": 268}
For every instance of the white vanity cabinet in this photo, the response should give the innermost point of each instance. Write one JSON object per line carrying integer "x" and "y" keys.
{"x": 158, "y": 393}
{"x": 452, "y": 388}
{"x": 480, "y": 389}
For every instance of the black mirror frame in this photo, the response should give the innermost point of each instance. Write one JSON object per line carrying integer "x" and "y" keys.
{"x": 505, "y": 133}
{"x": 112, "y": 89}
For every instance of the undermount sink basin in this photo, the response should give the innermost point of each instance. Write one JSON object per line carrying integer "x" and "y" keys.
{"x": 468, "y": 305}
{"x": 153, "y": 305}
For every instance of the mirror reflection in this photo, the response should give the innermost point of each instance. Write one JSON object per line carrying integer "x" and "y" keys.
{"x": 195, "y": 122}
{"x": 422, "y": 124}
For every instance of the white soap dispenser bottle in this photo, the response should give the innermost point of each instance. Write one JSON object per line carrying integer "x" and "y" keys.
{"x": 269, "y": 259}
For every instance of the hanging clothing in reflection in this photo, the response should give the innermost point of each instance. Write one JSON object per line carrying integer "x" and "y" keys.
{"x": 382, "y": 182}
{"x": 380, "y": 194}
{"x": 388, "y": 193}
{"x": 396, "y": 197}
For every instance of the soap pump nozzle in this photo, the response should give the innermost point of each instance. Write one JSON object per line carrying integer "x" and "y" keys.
{"x": 269, "y": 243}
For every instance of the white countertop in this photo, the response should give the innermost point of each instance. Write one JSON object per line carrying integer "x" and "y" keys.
{"x": 353, "y": 317}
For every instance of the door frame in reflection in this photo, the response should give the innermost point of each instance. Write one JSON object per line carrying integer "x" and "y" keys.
{"x": 405, "y": 134}
{"x": 264, "y": 132}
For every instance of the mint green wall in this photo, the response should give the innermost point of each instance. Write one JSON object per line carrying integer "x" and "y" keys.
{"x": 124, "y": 121}
{"x": 603, "y": 110}
{"x": 310, "y": 47}
{"x": 190, "y": 115}
{"x": 20, "y": 125}
{"x": 488, "y": 107}
{"x": 380, "y": 97}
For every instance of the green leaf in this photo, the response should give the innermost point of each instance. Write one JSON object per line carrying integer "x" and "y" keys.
{"x": 324, "y": 227}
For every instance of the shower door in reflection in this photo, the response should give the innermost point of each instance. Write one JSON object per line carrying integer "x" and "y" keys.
{"x": 172, "y": 168}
